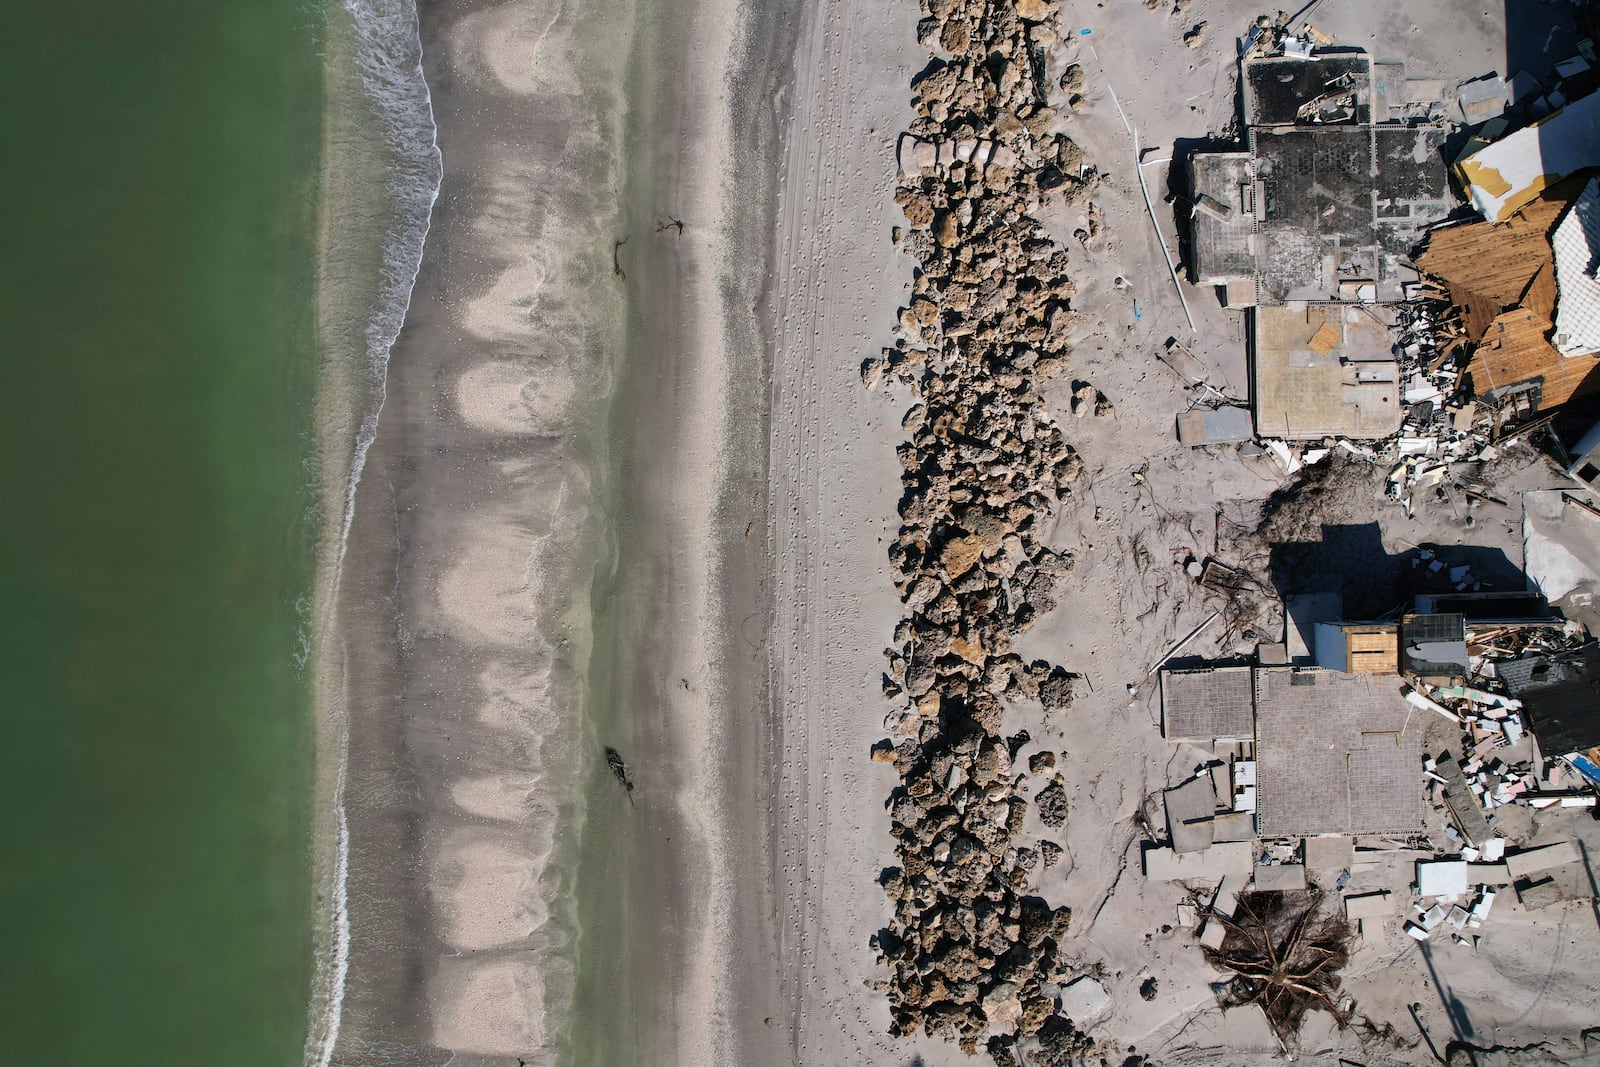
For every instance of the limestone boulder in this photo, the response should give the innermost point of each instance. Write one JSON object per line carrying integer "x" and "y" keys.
{"x": 1002, "y": 1007}
{"x": 960, "y": 555}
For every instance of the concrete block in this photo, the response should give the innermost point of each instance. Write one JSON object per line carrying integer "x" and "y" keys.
{"x": 1223, "y": 858}
{"x": 1542, "y": 859}
{"x": 1441, "y": 878}
{"x": 1280, "y": 877}
{"x": 1539, "y": 894}
{"x": 1364, "y": 906}
{"x": 1084, "y": 999}
{"x": 1330, "y": 853}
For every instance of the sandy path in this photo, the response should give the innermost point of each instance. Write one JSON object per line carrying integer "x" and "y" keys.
{"x": 837, "y": 285}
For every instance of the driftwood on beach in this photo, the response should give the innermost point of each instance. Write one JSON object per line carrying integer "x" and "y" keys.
{"x": 619, "y": 770}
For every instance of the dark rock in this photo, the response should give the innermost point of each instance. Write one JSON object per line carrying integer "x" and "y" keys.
{"x": 1059, "y": 1044}
{"x": 1052, "y": 805}
{"x": 984, "y": 468}
{"x": 1055, "y": 692}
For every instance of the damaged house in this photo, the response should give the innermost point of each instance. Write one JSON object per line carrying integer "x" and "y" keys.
{"x": 1512, "y": 283}
{"x": 1308, "y": 230}
{"x": 1323, "y": 753}
{"x": 1503, "y": 176}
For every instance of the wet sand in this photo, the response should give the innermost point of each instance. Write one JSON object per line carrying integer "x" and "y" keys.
{"x": 465, "y": 588}
{"x": 559, "y": 544}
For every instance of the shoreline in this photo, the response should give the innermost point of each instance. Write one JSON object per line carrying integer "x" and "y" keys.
{"x": 361, "y": 242}
{"x": 469, "y": 646}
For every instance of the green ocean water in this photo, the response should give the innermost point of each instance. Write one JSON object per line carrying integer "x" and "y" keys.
{"x": 158, "y": 522}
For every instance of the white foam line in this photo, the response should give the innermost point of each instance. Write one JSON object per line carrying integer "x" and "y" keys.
{"x": 390, "y": 59}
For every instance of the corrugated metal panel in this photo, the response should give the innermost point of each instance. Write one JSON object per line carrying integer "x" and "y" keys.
{"x": 1577, "y": 250}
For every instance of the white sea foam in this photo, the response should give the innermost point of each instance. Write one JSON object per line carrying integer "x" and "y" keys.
{"x": 390, "y": 60}
{"x": 388, "y": 54}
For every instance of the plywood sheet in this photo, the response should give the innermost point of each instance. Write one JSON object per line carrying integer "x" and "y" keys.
{"x": 1488, "y": 267}
{"x": 1515, "y": 352}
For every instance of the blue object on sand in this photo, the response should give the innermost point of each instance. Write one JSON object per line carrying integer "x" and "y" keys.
{"x": 1585, "y": 768}
{"x": 1135, "y": 307}
{"x": 1084, "y": 32}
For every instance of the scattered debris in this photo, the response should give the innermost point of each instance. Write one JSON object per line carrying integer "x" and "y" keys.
{"x": 1348, "y": 344}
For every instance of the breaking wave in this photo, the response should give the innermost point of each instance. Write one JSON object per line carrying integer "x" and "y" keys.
{"x": 388, "y": 61}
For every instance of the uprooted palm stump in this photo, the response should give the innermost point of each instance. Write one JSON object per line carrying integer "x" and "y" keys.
{"x": 1284, "y": 953}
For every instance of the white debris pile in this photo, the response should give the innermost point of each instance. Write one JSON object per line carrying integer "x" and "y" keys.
{"x": 1440, "y": 427}
{"x": 1459, "y": 575}
{"x": 1446, "y": 896}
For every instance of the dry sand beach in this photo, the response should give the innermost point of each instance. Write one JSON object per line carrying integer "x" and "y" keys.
{"x": 628, "y": 491}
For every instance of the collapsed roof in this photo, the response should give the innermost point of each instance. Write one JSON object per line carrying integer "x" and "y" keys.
{"x": 1504, "y": 278}
{"x": 1286, "y": 90}
{"x": 1561, "y": 695}
{"x": 1503, "y": 176}
{"x": 1306, "y": 208}
{"x": 1208, "y": 703}
{"x": 1489, "y": 268}
{"x": 1321, "y": 194}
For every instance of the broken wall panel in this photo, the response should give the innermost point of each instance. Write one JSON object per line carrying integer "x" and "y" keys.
{"x": 1503, "y": 176}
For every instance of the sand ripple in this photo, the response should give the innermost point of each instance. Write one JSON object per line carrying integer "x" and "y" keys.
{"x": 512, "y": 44}
{"x": 490, "y": 1006}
